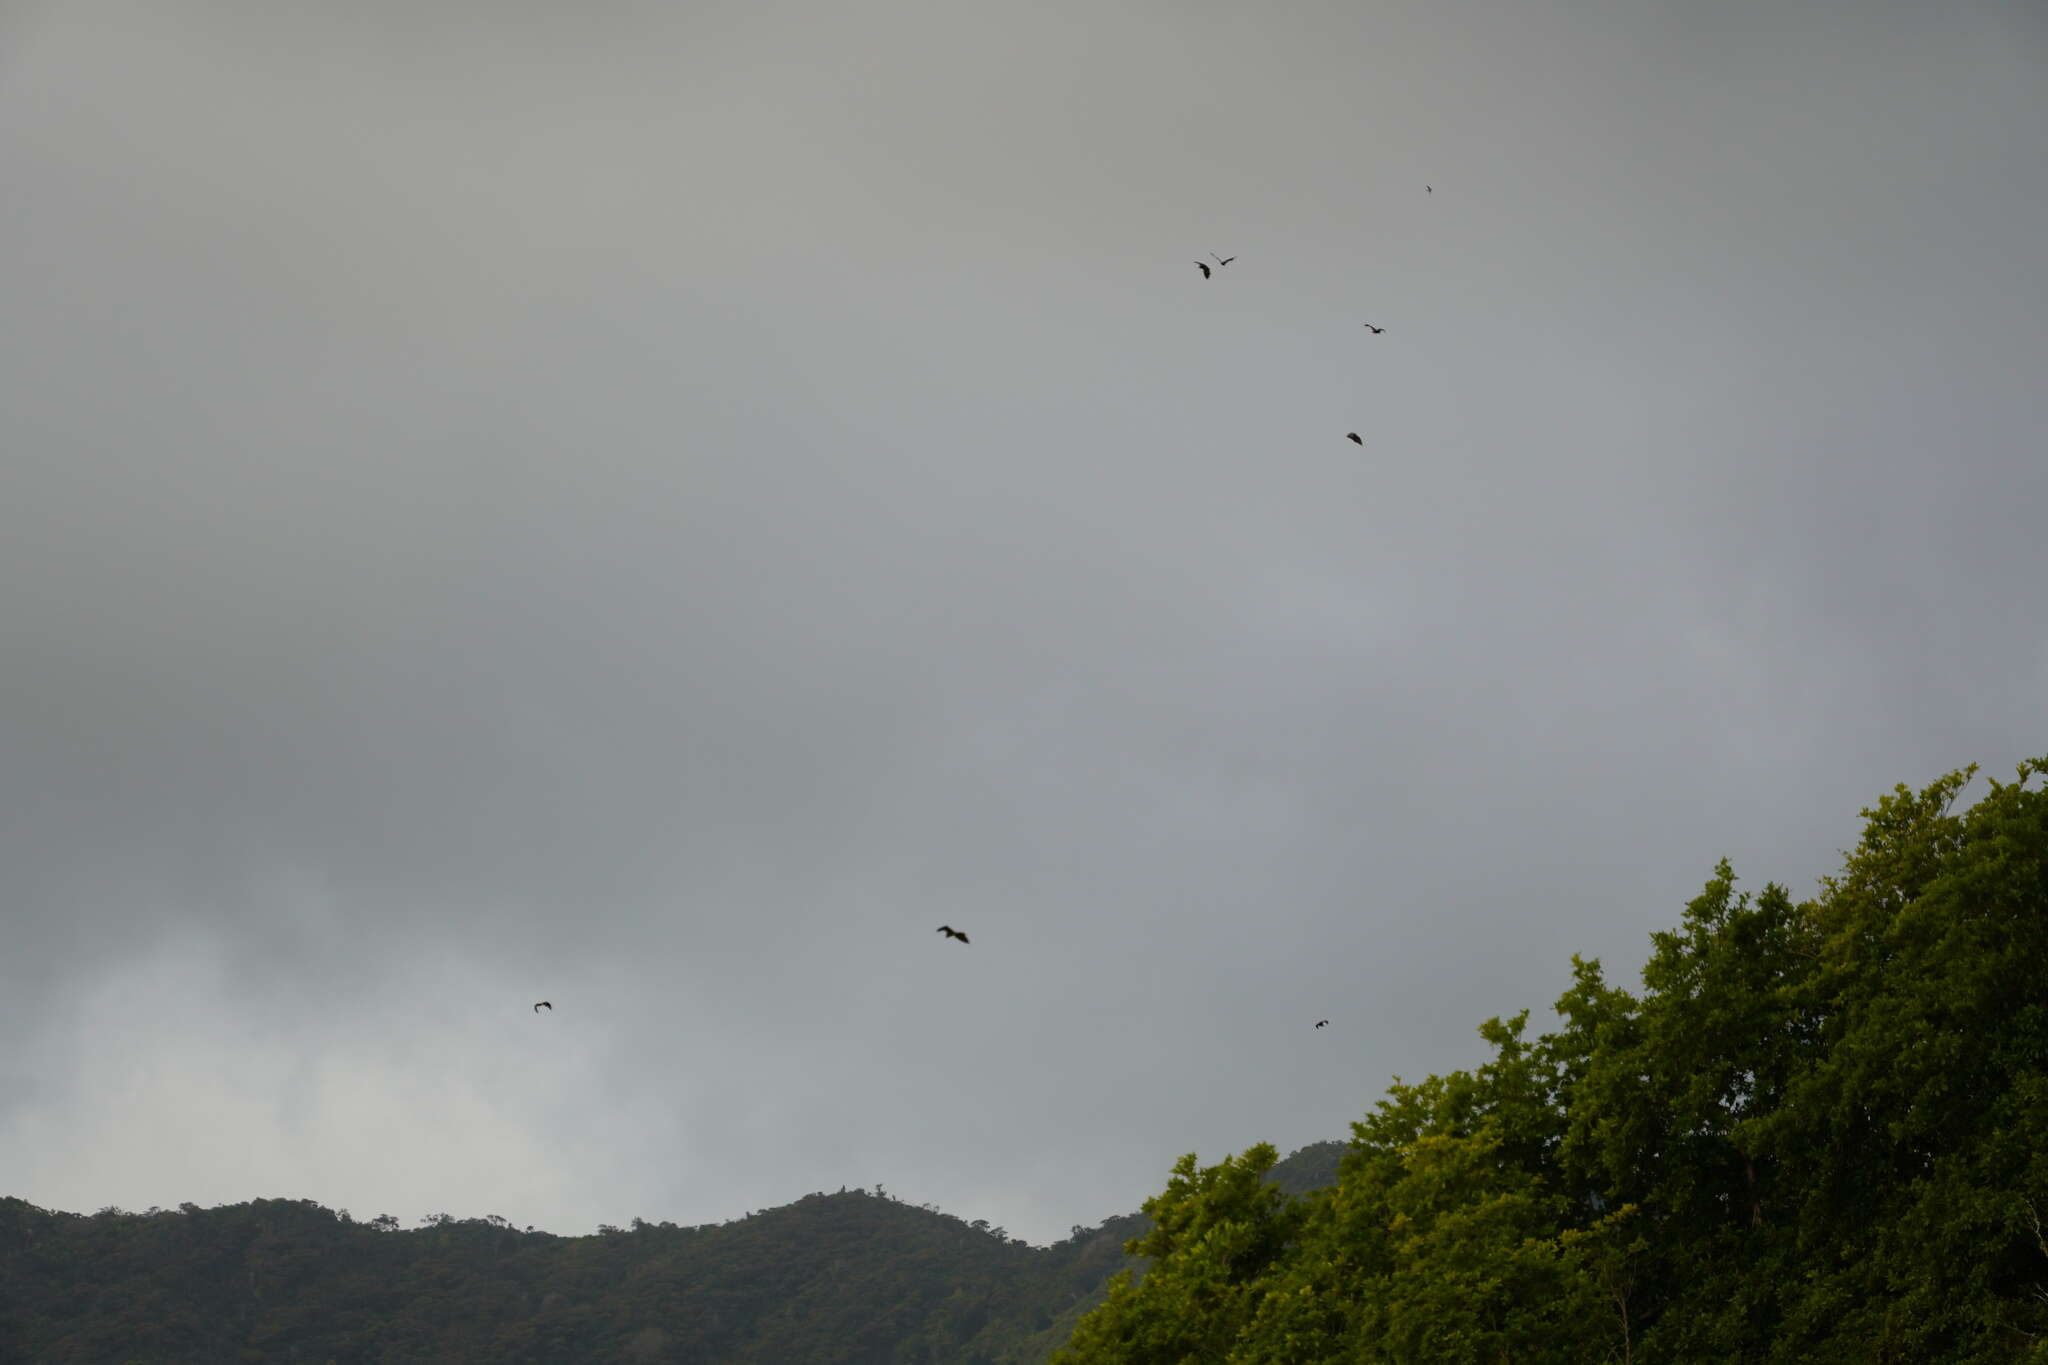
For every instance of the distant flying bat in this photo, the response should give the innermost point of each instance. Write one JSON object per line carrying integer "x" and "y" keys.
{"x": 1203, "y": 266}
{"x": 950, "y": 932}
{"x": 543, "y": 1005}
{"x": 1221, "y": 261}
{"x": 1321, "y": 1022}
{"x": 1374, "y": 330}
{"x": 1429, "y": 189}
{"x": 1352, "y": 437}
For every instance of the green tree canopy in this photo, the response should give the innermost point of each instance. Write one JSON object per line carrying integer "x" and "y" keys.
{"x": 1819, "y": 1134}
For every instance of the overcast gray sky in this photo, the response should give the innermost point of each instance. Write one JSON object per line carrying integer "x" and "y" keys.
{"x": 657, "y": 507}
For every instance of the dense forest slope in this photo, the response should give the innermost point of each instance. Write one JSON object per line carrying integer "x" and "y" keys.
{"x": 848, "y": 1278}
{"x": 1818, "y": 1134}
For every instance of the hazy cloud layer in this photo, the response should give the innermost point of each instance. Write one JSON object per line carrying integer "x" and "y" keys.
{"x": 660, "y": 509}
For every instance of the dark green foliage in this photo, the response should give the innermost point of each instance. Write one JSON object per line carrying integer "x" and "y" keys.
{"x": 1819, "y": 1135}
{"x": 854, "y": 1279}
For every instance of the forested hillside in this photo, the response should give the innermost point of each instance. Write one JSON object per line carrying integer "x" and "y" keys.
{"x": 848, "y": 1278}
{"x": 1819, "y": 1133}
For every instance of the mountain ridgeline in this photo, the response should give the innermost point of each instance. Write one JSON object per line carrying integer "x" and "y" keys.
{"x": 1819, "y": 1134}
{"x": 852, "y": 1278}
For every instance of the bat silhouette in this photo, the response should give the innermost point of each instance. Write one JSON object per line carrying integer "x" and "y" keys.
{"x": 1321, "y": 1022}
{"x": 543, "y": 1005}
{"x": 1203, "y": 266}
{"x": 1352, "y": 437}
{"x": 950, "y": 932}
{"x": 1374, "y": 330}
